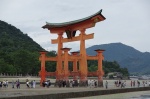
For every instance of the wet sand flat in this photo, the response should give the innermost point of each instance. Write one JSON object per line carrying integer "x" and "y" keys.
{"x": 129, "y": 95}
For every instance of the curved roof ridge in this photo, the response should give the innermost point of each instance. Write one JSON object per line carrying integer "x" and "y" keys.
{"x": 72, "y": 22}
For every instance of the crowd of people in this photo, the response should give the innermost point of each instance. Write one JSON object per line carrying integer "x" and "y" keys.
{"x": 138, "y": 83}
{"x": 16, "y": 84}
{"x": 46, "y": 83}
{"x": 133, "y": 83}
{"x": 69, "y": 83}
{"x": 120, "y": 83}
{"x": 75, "y": 83}
{"x": 146, "y": 83}
{"x": 31, "y": 84}
{"x": 92, "y": 83}
{"x": 5, "y": 84}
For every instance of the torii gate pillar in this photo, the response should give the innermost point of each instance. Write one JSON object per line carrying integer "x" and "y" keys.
{"x": 65, "y": 66}
{"x": 83, "y": 61}
{"x": 100, "y": 71}
{"x": 59, "y": 75}
{"x": 75, "y": 68}
{"x": 43, "y": 71}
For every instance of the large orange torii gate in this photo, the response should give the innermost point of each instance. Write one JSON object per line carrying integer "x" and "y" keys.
{"x": 70, "y": 28}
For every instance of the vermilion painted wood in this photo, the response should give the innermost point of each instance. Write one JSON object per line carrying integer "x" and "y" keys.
{"x": 63, "y": 57}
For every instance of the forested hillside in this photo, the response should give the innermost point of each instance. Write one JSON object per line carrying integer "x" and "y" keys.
{"x": 19, "y": 54}
{"x": 107, "y": 67}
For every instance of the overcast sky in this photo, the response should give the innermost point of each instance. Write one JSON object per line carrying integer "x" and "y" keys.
{"x": 127, "y": 21}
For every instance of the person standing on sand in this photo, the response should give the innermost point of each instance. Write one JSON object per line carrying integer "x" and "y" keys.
{"x": 119, "y": 83}
{"x": 106, "y": 84}
{"x": 31, "y": 83}
{"x": 13, "y": 84}
{"x": 27, "y": 83}
{"x": 90, "y": 83}
{"x": 143, "y": 83}
{"x": 6, "y": 83}
{"x": 18, "y": 84}
{"x": 34, "y": 83}
{"x": 95, "y": 83}
{"x": 138, "y": 83}
{"x": 131, "y": 83}
{"x": 134, "y": 83}
{"x": 1, "y": 84}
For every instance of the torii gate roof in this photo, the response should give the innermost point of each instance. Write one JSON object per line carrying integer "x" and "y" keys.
{"x": 65, "y": 24}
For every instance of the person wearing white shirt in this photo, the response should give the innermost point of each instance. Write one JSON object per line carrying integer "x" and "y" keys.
{"x": 34, "y": 83}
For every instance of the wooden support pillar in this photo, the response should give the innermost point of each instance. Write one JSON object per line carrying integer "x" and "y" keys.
{"x": 100, "y": 71}
{"x": 66, "y": 71}
{"x": 75, "y": 68}
{"x": 43, "y": 71}
{"x": 83, "y": 61}
{"x": 59, "y": 61}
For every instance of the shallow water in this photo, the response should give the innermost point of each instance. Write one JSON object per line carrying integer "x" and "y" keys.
{"x": 130, "y": 95}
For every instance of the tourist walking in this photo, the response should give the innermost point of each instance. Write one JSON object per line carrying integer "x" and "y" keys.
{"x": 95, "y": 83}
{"x": 13, "y": 84}
{"x": 124, "y": 84}
{"x": 134, "y": 83}
{"x": 115, "y": 83}
{"x": 64, "y": 83}
{"x": 90, "y": 83}
{"x": 34, "y": 83}
{"x": 144, "y": 83}
{"x": 138, "y": 82}
{"x": 48, "y": 83}
{"x": 1, "y": 84}
{"x": 106, "y": 84}
{"x": 73, "y": 83}
{"x": 131, "y": 83}
{"x": 27, "y": 84}
{"x": 6, "y": 83}
{"x": 31, "y": 83}
{"x": 119, "y": 83}
{"x": 18, "y": 84}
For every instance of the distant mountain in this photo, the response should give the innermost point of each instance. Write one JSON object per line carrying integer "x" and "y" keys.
{"x": 126, "y": 56}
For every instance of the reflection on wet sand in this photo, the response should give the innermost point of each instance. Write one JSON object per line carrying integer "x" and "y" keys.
{"x": 130, "y": 95}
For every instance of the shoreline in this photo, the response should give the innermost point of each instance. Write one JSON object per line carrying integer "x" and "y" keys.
{"x": 63, "y": 93}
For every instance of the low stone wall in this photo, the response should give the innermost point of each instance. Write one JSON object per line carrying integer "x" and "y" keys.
{"x": 81, "y": 94}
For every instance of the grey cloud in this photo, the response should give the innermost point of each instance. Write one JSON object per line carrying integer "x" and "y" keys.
{"x": 127, "y": 21}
